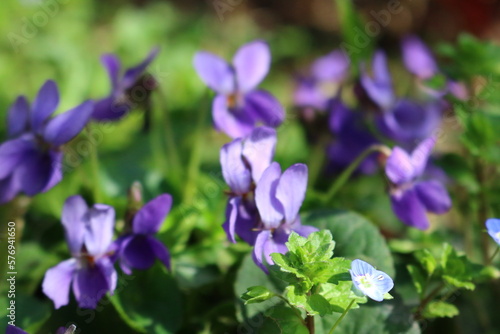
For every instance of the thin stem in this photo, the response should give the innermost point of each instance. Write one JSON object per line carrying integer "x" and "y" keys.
{"x": 172, "y": 152}
{"x": 346, "y": 174}
{"x": 196, "y": 153}
{"x": 427, "y": 300}
{"x": 310, "y": 323}
{"x": 94, "y": 166}
{"x": 341, "y": 317}
{"x": 482, "y": 213}
{"x": 493, "y": 256}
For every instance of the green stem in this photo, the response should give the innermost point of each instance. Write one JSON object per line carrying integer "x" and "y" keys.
{"x": 346, "y": 174}
{"x": 195, "y": 158}
{"x": 427, "y": 300}
{"x": 172, "y": 152}
{"x": 94, "y": 166}
{"x": 482, "y": 213}
{"x": 341, "y": 317}
{"x": 493, "y": 256}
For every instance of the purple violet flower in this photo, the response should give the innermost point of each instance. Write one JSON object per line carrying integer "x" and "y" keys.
{"x": 326, "y": 75}
{"x": 32, "y": 157}
{"x": 119, "y": 101}
{"x": 418, "y": 58}
{"x": 90, "y": 272}
{"x": 412, "y": 197}
{"x": 61, "y": 330}
{"x": 139, "y": 249}
{"x": 238, "y": 107}
{"x": 379, "y": 86}
{"x": 14, "y": 330}
{"x": 409, "y": 122}
{"x": 278, "y": 198}
{"x": 352, "y": 137}
{"x": 243, "y": 161}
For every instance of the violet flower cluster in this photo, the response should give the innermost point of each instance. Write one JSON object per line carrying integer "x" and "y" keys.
{"x": 379, "y": 112}
{"x": 263, "y": 203}
{"x": 89, "y": 231}
{"x": 33, "y": 155}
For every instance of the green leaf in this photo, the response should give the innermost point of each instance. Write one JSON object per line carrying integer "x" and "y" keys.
{"x": 251, "y": 275}
{"x": 388, "y": 317}
{"x": 282, "y": 320}
{"x": 437, "y": 82}
{"x": 439, "y": 309}
{"x": 257, "y": 294}
{"x": 427, "y": 260}
{"x": 418, "y": 278}
{"x": 317, "y": 247}
{"x": 317, "y": 304}
{"x": 357, "y": 44}
{"x": 355, "y": 237}
{"x": 157, "y": 309}
{"x": 453, "y": 281}
{"x": 340, "y": 295}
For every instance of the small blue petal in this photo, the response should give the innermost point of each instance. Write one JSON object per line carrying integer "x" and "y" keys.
{"x": 372, "y": 283}
{"x": 493, "y": 227}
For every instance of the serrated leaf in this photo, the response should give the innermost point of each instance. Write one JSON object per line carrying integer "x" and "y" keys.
{"x": 257, "y": 294}
{"x": 427, "y": 260}
{"x": 355, "y": 237}
{"x": 340, "y": 295}
{"x": 440, "y": 309}
{"x": 458, "y": 283}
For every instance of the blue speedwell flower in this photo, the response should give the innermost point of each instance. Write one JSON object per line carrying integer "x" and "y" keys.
{"x": 371, "y": 282}
{"x": 493, "y": 227}
{"x": 239, "y": 106}
{"x": 32, "y": 157}
{"x": 139, "y": 249}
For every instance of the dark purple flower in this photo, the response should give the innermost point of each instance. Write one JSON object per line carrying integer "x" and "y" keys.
{"x": 90, "y": 271}
{"x": 418, "y": 58}
{"x": 352, "y": 137}
{"x": 308, "y": 94}
{"x": 139, "y": 249}
{"x": 120, "y": 100}
{"x": 326, "y": 74}
{"x": 238, "y": 107}
{"x": 411, "y": 196}
{"x": 378, "y": 87}
{"x": 14, "y": 330}
{"x": 410, "y": 122}
{"x": 32, "y": 157}
{"x": 333, "y": 67}
{"x": 243, "y": 161}
{"x": 278, "y": 198}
